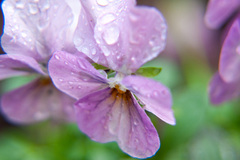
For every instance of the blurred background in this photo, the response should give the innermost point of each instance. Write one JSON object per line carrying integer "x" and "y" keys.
{"x": 203, "y": 131}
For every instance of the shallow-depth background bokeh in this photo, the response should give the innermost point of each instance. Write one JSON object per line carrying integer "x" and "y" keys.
{"x": 203, "y": 131}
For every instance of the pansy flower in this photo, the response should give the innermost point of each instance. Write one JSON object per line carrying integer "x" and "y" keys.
{"x": 225, "y": 85}
{"x": 218, "y": 11}
{"x": 33, "y": 30}
{"x": 121, "y": 36}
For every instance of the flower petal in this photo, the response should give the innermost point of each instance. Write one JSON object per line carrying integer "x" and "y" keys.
{"x": 15, "y": 65}
{"x": 155, "y": 96}
{"x": 75, "y": 75}
{"x": 218, "y": 11}
{"x": 36, "y": 28}
{"x": 130, "y": 38}
{"x": 113, "y": 116}
{"x": 126, "y": 36}
{"x": 37, "y": 101}
{"x": 220, "y": 91}
{"x": 230, "y": 55}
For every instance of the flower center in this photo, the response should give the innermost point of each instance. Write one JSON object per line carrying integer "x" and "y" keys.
{"x": 45, "y": 81}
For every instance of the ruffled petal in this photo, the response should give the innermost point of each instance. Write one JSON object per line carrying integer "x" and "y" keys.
{"x": 75, "y": 75}
{"x": 155, "y": 97}
{"x": 130, "y": 38}
{"x": 126, "y": 36}
{"x": 221, "y": 91}
{"x": 218, "y": 11}
{"x": 37, "y": 101}
{"x": 15, "y": 65}
{"x": 108, "y": 115}
{"x": 36, "y": 28}
{"x": 230, "y": 55}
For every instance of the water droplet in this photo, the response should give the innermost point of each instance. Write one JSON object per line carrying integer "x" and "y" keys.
{"x": 20, "y": 4}
{"x": 24, "y": 34}
{"x": 136, "y": 140}
{"x": 106, "y": 52}
{"x": 107, "y": 18}
{"x": 133, "y": 59}
{"x": 70, "y": 20}
{"x": 60, "y": 79}
{"x": 70, "y": 82}
{"x": 33, "y": 9}
{"x": 156, "y": 49}
{"x": 155, "y": 93}
{"x": 57, "y": 57}
{"x": 118, "y": 57}
{"x": 238, "y": 49}
{"x": 102, "y": 2}
{"x": 44, "y": 5}
{"x": 66, "y": 63}
{"x": 78, "y": 41}
{"x": 85, "y": 50}
{"x": 94, "y": 51}
{"x": 79, "y": 87}
{"x": 135, "y": 123}
{"x": 111, "y": 35}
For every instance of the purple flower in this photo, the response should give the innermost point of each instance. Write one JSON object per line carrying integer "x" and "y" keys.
{"x": 225, "y": 85}
{"x": 32, "y": 31}
{"x": 218, "y": 11}
{"x": 122, "y": 37}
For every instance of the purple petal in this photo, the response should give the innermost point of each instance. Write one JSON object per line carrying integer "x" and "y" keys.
{"x": 15, "y": 65}
{"x": 128, "y": 36}
{"x": 37, "y": 28}
{"x": 220, "y": 91}
{"x": 75, "y": 75}
{"x": 108, "y": 115}
{"x": 218, "y": 11}
{"x": 155, "y": 96}
{"x": 230, "y": 55}
{"x": 37, "y": 101}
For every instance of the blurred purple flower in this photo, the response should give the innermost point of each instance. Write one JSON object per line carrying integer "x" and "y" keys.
{"x": 32, "y": 31}
{"x": 122, "y": 37}
{"x": 218, "y": 11}
{"x": 225, "y": 85}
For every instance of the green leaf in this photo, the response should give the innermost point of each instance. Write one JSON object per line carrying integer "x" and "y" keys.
{"x": 98, "y": 66}
{"x": 149, "y": 71}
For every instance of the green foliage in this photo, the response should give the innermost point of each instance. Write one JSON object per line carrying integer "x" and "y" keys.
{"x": 148, "y": 71}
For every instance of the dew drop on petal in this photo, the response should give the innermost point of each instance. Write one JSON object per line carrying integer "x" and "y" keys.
{"x": 135, "y": 123}
{"x": 106, "y": 52}
{"x": 85, "y": 50}
{"x": 44, "y": 5}
{"x": 60, "y": 79}
{"x": 136, "y": 140}
{"x": 155, "y": 93}
{"x": 107, "y": 18}
{"x": 102, "y": 2}
{"x": 57, "y": 57}
{"x": 94, "y": 51}
{"x": 20, "y": 4}
{"x": 238, "y": 49}
{"x": 33, "y": 9}
{"x": 111, "y": 35}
